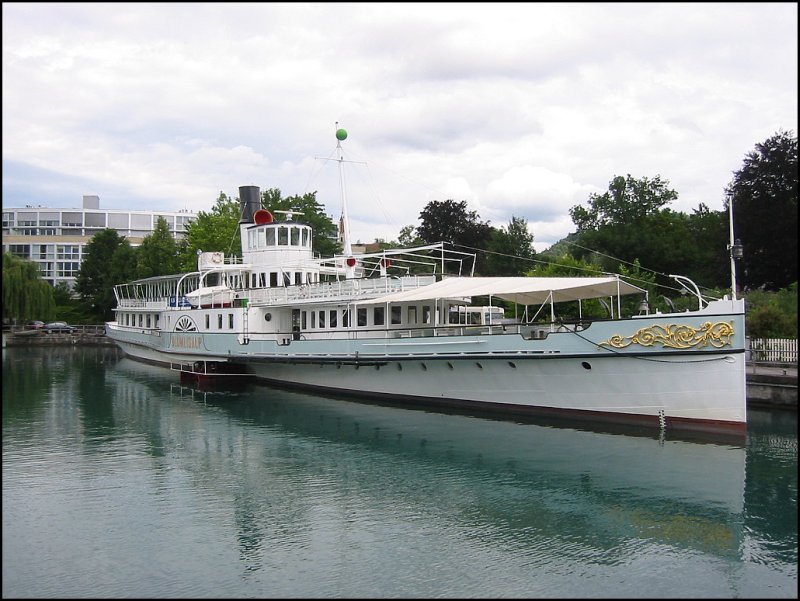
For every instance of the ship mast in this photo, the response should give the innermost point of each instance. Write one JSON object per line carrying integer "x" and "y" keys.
{"x": 350, "y": 262}
{"x": 734, "y": 247}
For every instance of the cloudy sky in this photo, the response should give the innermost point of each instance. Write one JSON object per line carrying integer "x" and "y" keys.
{"x": 520, "y": 109}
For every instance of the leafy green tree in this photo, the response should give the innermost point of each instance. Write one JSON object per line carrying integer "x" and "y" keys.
{"x": 708, "y": 238}
{"x": 324, "y": 230}
{"x": 108, "y": 260}
{"x": 158, "y": 252}
{"x": 627, "y": 223}
{"x": 764, "y": 195}
{"x": 630, "y": 222}
{"x": 213, "y": 231}
{"x": 26, "y": 295}
{"x": 563, "y": 265}
{"x": 408, "y": 237}
{"x": 772, "y": 314}
{"x": 627, "y": 201}
{"x": 510, "y": 249}
{"x": 450, "y": 221}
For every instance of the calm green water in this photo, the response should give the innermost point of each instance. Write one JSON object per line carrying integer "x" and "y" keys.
{"x": 118, "y": 482}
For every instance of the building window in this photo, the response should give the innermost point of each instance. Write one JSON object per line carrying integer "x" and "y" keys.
{"x": 21, "y": 250}
{"x": 96, "y": 220}
{"x": 118, "y": 221}
{"x": 72, "y": 219}
{"x": 67, "y": 251}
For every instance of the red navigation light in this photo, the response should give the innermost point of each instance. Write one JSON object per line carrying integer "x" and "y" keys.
{"x": 262, "y": 216}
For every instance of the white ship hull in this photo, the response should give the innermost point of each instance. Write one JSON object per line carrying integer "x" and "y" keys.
{"x": 568, "y": 373}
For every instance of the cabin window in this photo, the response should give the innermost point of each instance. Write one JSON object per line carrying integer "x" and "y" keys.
{"x": 295, "y": 236}
{"x": 322, "y": 319}
{"x": 298, "y": 277}
{"x": 253, "y": 280}
{"x": 334, "y": 318}
{"x": 412, "y": 315}
{"x": 361, "y": 316}
{"x": 147, "y": 320}
{"x": 208, "y": 321}
{"x": 230, "y": 321}
{"x": 140, "y": 320}
{"x": 270, "y": 237}
{"x": 156, "y": 321}
{"x": 313, "y": 319}
{"x": 426, "y": 314}
{"x": 396, "y": 314}
{"x": 304, "y": 320}
{"x": 273, "y": 279}
{"x": 305, "y": 237}
{"x": 378, "y": 316}
{"x": 262, "y": 241}
{"x": 346, "y": 318}
{"x": 219, "y": 321}
{"x": 283, "y": 236}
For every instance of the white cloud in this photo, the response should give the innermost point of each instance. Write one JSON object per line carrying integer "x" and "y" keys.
{"x": 520, "y": 109}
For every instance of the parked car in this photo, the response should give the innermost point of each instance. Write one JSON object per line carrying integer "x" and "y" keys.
{"x": 34, "y": 325}
{"x": 59, "y": 326}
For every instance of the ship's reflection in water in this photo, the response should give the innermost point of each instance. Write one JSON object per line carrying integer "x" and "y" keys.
{"x": 329, "y": 497}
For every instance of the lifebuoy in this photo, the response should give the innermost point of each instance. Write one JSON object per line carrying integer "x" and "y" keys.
{"x": 216, "y": 258}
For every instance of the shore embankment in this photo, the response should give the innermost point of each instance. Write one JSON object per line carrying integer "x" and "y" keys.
{"x": 772, "y": 385}
{"x": 768, "y": 385}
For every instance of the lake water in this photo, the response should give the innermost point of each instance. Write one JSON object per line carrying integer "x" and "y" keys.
{"x": 119, "y": 482}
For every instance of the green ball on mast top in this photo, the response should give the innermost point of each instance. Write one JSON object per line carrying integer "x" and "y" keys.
{"x": 341, "y": 134}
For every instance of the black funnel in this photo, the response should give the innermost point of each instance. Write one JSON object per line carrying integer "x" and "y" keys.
{"x": 249, "y": 201}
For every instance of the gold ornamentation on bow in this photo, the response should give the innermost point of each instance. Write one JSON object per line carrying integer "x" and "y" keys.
{"x": 677, "y": 336}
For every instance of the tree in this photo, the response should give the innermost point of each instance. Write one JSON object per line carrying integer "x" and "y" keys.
{"x": 214, "y": 231}
{"x": 108, "y": 260}
{"x": 408, "y": 237}
{"x": 630, "y": 222}
{"x": 26, "y": 295}
{"x": 764, "y": 196}
{"x": 510, "y": 249}
{"x": 627, "y": 201}
{"x": 158, "y": 252}
{"x": 708, "y": 237}
{"x": 450, "y": 221}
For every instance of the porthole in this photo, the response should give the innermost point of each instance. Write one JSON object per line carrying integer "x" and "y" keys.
{"x": 267, "y": 316}
{"x": 585, "y": 365}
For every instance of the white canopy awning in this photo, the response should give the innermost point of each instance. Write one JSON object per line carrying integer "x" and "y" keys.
{"x": 520, "y": 290}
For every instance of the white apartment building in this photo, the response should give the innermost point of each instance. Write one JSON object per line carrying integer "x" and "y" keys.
{"x": 55, "y": 238}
